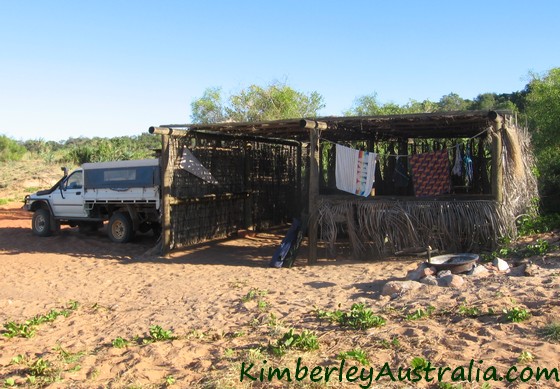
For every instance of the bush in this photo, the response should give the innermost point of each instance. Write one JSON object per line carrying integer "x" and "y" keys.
{"x": 548, "y": 165}
{"x": 10, "y": 150}
{"x": 528, "y": 225}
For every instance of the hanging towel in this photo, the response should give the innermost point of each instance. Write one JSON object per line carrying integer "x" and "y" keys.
{"x": 430, "y": 173}
{"x": 458, "y": 167}
{"x": 191, "y": 164}
{"x": 355, "y": 170}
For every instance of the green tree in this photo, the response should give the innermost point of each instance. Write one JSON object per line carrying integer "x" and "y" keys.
{"x": 484, "y": 101}
{"x": 490, "y": 101}
{"x": 209, "y": 108}
{"x": 369, "y": 105}
{"x": 543, "y": 108}
{"x": 256, "y": 103}
{"x": 543, "y": 113}
{"x": 452, "y": 102}
{"x": 425, "y": 106}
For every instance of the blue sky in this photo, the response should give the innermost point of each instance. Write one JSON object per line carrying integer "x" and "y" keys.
{"x": 113, "y": 68}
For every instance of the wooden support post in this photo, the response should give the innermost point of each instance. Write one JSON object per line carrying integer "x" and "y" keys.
{"x": 497, "y": 168}
{"x": 166, "y": 175}
{"x": 313, "y": 193}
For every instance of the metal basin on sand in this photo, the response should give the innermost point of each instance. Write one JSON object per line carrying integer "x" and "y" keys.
{"x": 456, "y": 263}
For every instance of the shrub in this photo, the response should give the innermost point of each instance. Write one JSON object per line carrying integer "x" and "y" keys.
{"x": 360, "y": 317}
{"x": 10, "y": 150}
{"x": 306, "y": 341}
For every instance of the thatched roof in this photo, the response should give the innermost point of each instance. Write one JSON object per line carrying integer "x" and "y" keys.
{"x": 462, "y": 124}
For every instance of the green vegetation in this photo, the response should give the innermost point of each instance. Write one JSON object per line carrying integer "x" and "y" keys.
{"x": 466, "y": 310}
{"x": 516, "y": 314}
{"x": 528, "y": 225}
{"x": 359, "y": 317}
{"x": 120, "y": 342}
{"x": 39, "y": 372}
{"x": 76, "y": 151}
{"x": 19, "y": 330}
{"x": 421, "y": 313}
{"x": 418, "y": 363}
{"x": 525, "y": 357}
{"x": 27, "y": 329}
{"x": 393, "y": 343}
{"x": 170, "y": 380}
{"x": 543, "y": 113}
{"x": 158, "y": 334}
{"x": 10, "y": 150}
{"x": 306, "y": 341}
{"x": 254, "y": 294}
{"x": 356, "y": 354}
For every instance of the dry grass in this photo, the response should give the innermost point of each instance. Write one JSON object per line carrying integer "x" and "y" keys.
{"x": 20, "y": 178}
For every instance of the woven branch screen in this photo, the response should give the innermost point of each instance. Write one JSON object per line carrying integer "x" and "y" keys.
{"x": 259, "y": 185}
{"x": 386, "y": 226}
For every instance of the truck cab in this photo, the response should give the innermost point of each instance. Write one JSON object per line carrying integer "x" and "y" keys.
{"x": 124, "y": 193}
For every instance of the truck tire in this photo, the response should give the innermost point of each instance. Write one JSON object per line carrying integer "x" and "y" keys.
{"x": 41, "y": 222}
{"x": 119, "y": 228}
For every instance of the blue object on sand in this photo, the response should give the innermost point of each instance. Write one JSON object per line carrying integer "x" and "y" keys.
{"x": 285, "y": 255}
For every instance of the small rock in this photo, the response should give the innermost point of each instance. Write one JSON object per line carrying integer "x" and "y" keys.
{"x": 429, "y": 271}
{"x": 531, "y": 270}
{"x": 418, "y": 273}
{"x": 452, "y": 281}
{"x": 479, "y": 271}
{"x": 518, "y": 271}
{"x": 399, "y": 287}
{"x": 501, "y": 264}
{"x": 443, "y": 273}
{"x": 429, "y": 280}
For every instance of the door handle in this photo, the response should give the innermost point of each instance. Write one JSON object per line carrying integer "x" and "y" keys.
{"x": 78, "y": 193}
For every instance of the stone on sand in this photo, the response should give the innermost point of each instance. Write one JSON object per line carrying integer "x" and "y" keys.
{"x": 399, "y": 287}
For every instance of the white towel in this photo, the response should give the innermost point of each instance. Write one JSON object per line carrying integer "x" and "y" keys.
{"x": 355, "y": 170}
{"x": 191, "y": 164}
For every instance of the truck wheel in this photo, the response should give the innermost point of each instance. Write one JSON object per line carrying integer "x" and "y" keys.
{"x": 119, "y": 228}
{"x": 41, "y": 222}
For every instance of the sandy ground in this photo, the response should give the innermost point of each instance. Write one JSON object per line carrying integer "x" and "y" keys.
{"x": 224, "y": 306}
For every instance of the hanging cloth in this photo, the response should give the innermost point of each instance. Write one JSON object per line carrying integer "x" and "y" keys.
{"x": 400, "y": 175}
{"x": 468, "y": 166}
{"x": 191, "y": 164}
{"x": 355, "y": 170}
{"x": 458, "y": 167}
{"x": 430, "y": 173}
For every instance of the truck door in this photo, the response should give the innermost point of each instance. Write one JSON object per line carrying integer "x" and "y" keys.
{"x": 68, "y": 200}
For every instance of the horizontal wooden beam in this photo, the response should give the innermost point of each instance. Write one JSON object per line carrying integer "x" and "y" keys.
{"x": 167, "y": 131}
{"x": 209, "y": 197}
{"x": 312, "y": 124}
